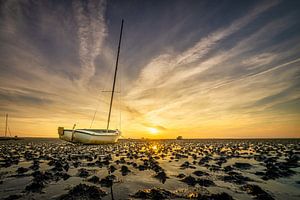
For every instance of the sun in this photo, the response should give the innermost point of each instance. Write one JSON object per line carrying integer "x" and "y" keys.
{"x": 153, "y": 130}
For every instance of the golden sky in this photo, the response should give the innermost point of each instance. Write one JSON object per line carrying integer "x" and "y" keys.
{"x": 199, "y": 69}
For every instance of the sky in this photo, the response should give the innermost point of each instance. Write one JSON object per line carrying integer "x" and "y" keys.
{"x": 199, "y": 69}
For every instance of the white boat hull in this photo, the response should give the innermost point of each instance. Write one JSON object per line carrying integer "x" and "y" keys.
{"x": 89, "y": 136}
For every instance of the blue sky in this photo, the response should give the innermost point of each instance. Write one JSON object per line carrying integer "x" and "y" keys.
{"x": 194, "y": 68}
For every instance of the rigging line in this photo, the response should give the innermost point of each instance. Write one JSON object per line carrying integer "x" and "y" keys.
{"x": 120, "y": 115}
{"x": 120, "y": 98}
{"x": 96, "y": 110}
{"x": 9, "y": 131}
{"x": 93, "y": 118}
{"x": 105, "y": 89}
{"x": 6, "y": 123}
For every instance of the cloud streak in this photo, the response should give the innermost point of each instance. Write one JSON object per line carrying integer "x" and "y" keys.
{"x": 234, "y": 74}
{"x": 180, "y": 80}
{"x": 91, "y": 34}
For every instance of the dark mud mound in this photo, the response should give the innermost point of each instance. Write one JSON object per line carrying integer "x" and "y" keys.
{"x": 83, "y": 192}
{"x": 108, "y": 181}
{"x": 257, "y": 192}
{"x": 154, "y": 193}
{"x": 241, "y": 165}
{"x": 237, "y": 178}
{"x": 161, "y": 176}
{"x": 94, "y": 179}
{"x": 221, "y": 196}
{"x": 200, "y": 173}
{"x": 190, "y": 180}
{"x": 83, "y": 173}
{"x": 39, "y": 181}
{"x": 125, "y": 170}
{"x": 35, "y": 187}
{"x": 13, "y": 197}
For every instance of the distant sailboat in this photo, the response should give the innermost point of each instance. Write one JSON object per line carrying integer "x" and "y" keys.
{"x": 95, "y": 136}
{"x": 6, "y": 124}
{"x": 179, "y": 138}
{"x": 7, "y": 130}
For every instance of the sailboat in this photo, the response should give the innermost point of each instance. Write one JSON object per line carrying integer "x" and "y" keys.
{"x": 95, "y": 136}
{"x": 7, "y": 130}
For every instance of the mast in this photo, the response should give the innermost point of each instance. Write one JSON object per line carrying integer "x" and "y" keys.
{"x": 115, "y": 76}
{"x": 6, "y": 123}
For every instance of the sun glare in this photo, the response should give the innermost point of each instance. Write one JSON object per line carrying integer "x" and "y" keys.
{"x": 153, "y": 131}
{"x": 154, "y": 147}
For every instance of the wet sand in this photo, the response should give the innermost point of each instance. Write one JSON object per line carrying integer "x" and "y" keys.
{"x": 164, "y": 169}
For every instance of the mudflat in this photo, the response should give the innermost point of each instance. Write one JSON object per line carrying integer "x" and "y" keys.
{"x": 151, "y": 169}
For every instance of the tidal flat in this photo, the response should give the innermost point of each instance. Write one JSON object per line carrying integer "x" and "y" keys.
{"x": 151, "y": 169}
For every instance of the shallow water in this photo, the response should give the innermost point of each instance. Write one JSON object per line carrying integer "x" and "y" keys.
{"x": 231, "y": 165}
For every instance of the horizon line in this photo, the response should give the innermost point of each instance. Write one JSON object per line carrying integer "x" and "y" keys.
{"x": 217, "y": 138}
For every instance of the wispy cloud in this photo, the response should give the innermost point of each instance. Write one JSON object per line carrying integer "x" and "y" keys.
{"x": 214, "y": 82}
{"x": 91, "y": 34}
{"x": 217, "y": 77}
{"x": 159, "y": 69}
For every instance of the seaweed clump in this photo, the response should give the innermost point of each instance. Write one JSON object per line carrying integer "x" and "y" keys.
{"x": 154, "y": 193}
{"x": 82, "y": 192}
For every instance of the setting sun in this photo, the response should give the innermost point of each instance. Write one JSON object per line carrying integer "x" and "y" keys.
{"x": 153, "y": 131}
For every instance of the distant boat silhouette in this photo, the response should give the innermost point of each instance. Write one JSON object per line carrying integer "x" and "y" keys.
{"x": 179, "y": 138}
{"x": 95, "y": 136}
{"x": 7, "y": 130}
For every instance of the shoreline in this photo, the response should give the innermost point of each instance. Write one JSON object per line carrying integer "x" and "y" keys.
{"x": 157, "y": 139}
